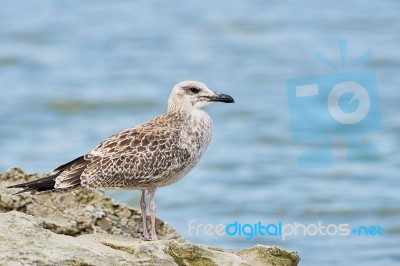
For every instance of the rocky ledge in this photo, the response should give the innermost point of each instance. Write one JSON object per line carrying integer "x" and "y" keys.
{"x": 84, "y": 227}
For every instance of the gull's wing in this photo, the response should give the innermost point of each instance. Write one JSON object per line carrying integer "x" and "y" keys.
{"x": 136, "y": 157}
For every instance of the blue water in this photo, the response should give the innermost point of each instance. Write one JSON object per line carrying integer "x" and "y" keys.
{"x": 74, "y": 72}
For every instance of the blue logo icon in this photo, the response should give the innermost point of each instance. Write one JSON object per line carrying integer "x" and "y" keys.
{"x": 344, "y": 103}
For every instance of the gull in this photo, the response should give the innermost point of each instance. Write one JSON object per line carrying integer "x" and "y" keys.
{"x": 148, "y": 156}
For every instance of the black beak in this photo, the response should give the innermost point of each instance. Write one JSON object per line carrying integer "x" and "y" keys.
{"x": 223, "y": 98}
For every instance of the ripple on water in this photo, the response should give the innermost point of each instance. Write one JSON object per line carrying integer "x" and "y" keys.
{"x": 10, "y": 61}
{"x": 78, "y": 106}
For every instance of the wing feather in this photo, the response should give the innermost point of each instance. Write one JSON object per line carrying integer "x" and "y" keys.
{"x": 138, "y": 156}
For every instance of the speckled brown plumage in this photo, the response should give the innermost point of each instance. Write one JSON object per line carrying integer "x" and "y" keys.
{"x": 156, "y": 153}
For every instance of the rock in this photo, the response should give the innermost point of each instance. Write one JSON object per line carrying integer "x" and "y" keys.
{"x": 76, "y": 212}
{"x": 84, "y": 227}
{"x": 26, "y": 242}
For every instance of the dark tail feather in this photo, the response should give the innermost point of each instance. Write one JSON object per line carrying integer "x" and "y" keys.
{"x": 71, "y": 179}
{"x": 39, "y": 185}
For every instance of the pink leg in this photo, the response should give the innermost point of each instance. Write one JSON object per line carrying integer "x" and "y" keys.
{"x": 153, "y": 214}
{"x": 146, "y": 235}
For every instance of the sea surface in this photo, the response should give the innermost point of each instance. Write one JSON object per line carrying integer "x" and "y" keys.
{"x": 74, "y": 72}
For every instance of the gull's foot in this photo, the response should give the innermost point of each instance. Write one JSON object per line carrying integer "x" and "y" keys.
{"x": 146, "y": 237}
{"x": 149, "y": 238}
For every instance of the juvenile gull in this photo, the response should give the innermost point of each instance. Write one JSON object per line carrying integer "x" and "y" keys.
{"x": 151, "y": 155}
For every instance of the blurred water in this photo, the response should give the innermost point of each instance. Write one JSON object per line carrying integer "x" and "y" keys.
{"x": 74, "y": 72}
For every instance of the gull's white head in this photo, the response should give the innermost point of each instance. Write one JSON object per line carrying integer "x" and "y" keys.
{"x": 188, "y": 96}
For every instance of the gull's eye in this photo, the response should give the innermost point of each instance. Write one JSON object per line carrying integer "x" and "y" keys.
{"x": 194, "y": 90}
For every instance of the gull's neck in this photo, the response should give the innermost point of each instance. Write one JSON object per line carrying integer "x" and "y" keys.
{"x": 195, "y": 115}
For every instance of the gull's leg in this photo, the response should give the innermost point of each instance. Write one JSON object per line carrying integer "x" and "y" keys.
{"x": 146, "y": 235}
{"x": 153, "y": 214}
